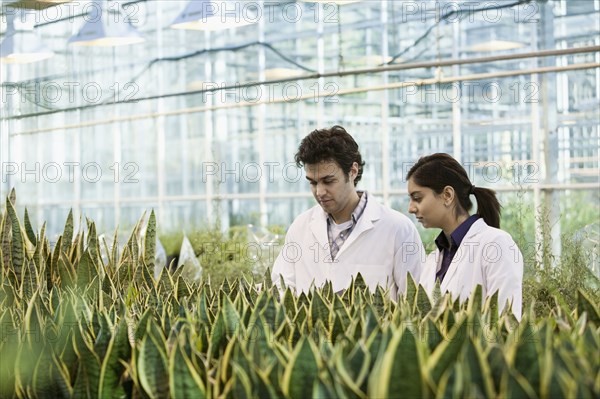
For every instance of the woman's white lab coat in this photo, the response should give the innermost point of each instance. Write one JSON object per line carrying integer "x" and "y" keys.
{"x": 486, "y": 256}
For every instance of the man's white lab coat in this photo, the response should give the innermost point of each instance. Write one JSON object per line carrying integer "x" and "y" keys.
{"x": 486, "y": 256}
{"x": 384, "y": 246}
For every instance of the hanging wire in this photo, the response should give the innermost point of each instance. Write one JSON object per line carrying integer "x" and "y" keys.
{"x": 398, "y": 67}
{"x": 22, "y": 87}
{"x": 447, "y": 15}
{"x": 269, "y": 46}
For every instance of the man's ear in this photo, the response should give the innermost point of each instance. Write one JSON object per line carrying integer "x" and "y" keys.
{"x": 354, "y": 171}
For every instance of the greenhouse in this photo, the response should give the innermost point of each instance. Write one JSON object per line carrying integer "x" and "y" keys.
{"x": 174, "y": 181}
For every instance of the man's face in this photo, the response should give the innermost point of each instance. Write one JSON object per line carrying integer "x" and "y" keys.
{"x": 332, "y": 188}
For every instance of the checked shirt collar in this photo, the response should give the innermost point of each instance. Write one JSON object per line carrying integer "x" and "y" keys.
{"x": 335, "y": 243}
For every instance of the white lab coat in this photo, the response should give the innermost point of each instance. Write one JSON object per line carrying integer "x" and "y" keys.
{"x": 384, "y": 246}
{"x": 486, "y": 256}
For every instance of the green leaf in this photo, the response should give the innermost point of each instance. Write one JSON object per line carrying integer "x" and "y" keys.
{"x": 341, "y": 311}
{"x": 104, "y": 335}
{"x": 60, "y": 376}
{"x": 289, "y": 302}
{"x": 585, "y": 304}
{"x": 439, "y": 307}
{"x": 146, "y": 279}
{"x": 17, "y": 249}
{"x": 437, "y": 291}
{"x": 13, "y": 196}
{"x": 301, "y": 371}
{"x": 337, "y": 328}
{"x": 28, "y": 229}
{"x": 269, "y": 311}
{"x": 86, "y": 271}
{"x": 114, "y": 256}
{"x": 453, "y": 381}
{"x": 318, "y": 310}
{"x": 399, "y": 370}
{"x": 29, "y": 281}
{"x": 93, "y": 244}
{"x": 497, "y": 364}
{"x": 23, "y": 362}
{"x": 433, "y": 336}
{"x": 354, "y": 369}
{"x": 423, "y": 303}
{"x": 183, "y": 288}
{"x": 479, "y": 369}
{"x": 526, "y": 358}
{"x": 265, "y": 388}
{"x": 550, "y": 386}
{"x": 242, "y": 386}
{"x": 411, "y": 289}
{"x": 447, "y": 352}
{"x": 67, "y": 237}
{"x": 32, "y": 321}
{"x": 380, "y": 300}
{"x": 268, "y": 283}
{"x": 475, "y": 300}
{"x": 132, "y": 243}
{"x": 152, "y": 363}
{"x": 259, "y": 336}
{"x": 206, "y": 317}
{"x": 371, "y": 321}
{"x": 323, "y": 389}
{"x": 5, "y": 241}
{"x": 150, "y": 243}
{"x": 117, "y": 353}
{"x": 491, "y": 310}
{"x": 50, "y": 378}
{"x": 230, "y": 316}
{"x": 517, "y": 386}
{"x": 184, "y": 380}
{"x": 218, "y": 336}
{"x": 142, "y": 325}
{"x": 358, "y": 283}
{"x": 65, "y": 272}
{"x": 88, "y": 373}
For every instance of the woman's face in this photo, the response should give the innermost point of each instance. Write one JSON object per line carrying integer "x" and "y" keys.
{"x": 428, "y": 207}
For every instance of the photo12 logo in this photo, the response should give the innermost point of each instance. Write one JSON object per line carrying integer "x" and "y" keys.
{"x": 250, "y": 172}
{"x": 472, "y": 92}
{"x": 251, "y": 12}
{"x": 54, "y": 172}
{"x": 288, "y": 92}
{"x": 89, "y": 11}
{"x": 72, "y": 92}
{"x": 468, "y": 11}
{"x": 517, "y": 172}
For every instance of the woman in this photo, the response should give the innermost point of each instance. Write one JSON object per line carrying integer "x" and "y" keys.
{"x": 471, "y": 249}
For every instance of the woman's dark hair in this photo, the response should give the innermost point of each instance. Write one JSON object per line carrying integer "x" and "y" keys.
{"x": 437, "y": 171}
{"x": 333, "y": 144}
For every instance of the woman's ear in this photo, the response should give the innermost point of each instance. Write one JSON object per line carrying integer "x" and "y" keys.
{"x": 448, "y": 195}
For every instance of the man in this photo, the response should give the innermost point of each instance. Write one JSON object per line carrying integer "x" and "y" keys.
{"x": 348, "y": 232}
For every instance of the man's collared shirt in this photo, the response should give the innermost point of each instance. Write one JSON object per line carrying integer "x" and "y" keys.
{"x": 449, "y": 248}
{"x": 338, "y": 238}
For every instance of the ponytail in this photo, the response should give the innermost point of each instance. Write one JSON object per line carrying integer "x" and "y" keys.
{"x": 488, "y": 206}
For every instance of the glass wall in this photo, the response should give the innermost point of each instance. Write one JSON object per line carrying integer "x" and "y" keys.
{"x": 203, "y": 126}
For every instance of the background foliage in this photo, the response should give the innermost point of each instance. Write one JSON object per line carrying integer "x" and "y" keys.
{"x": 73, "y": 325}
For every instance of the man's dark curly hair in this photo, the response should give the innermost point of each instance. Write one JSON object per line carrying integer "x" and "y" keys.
{"x": 333, "y": 144}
